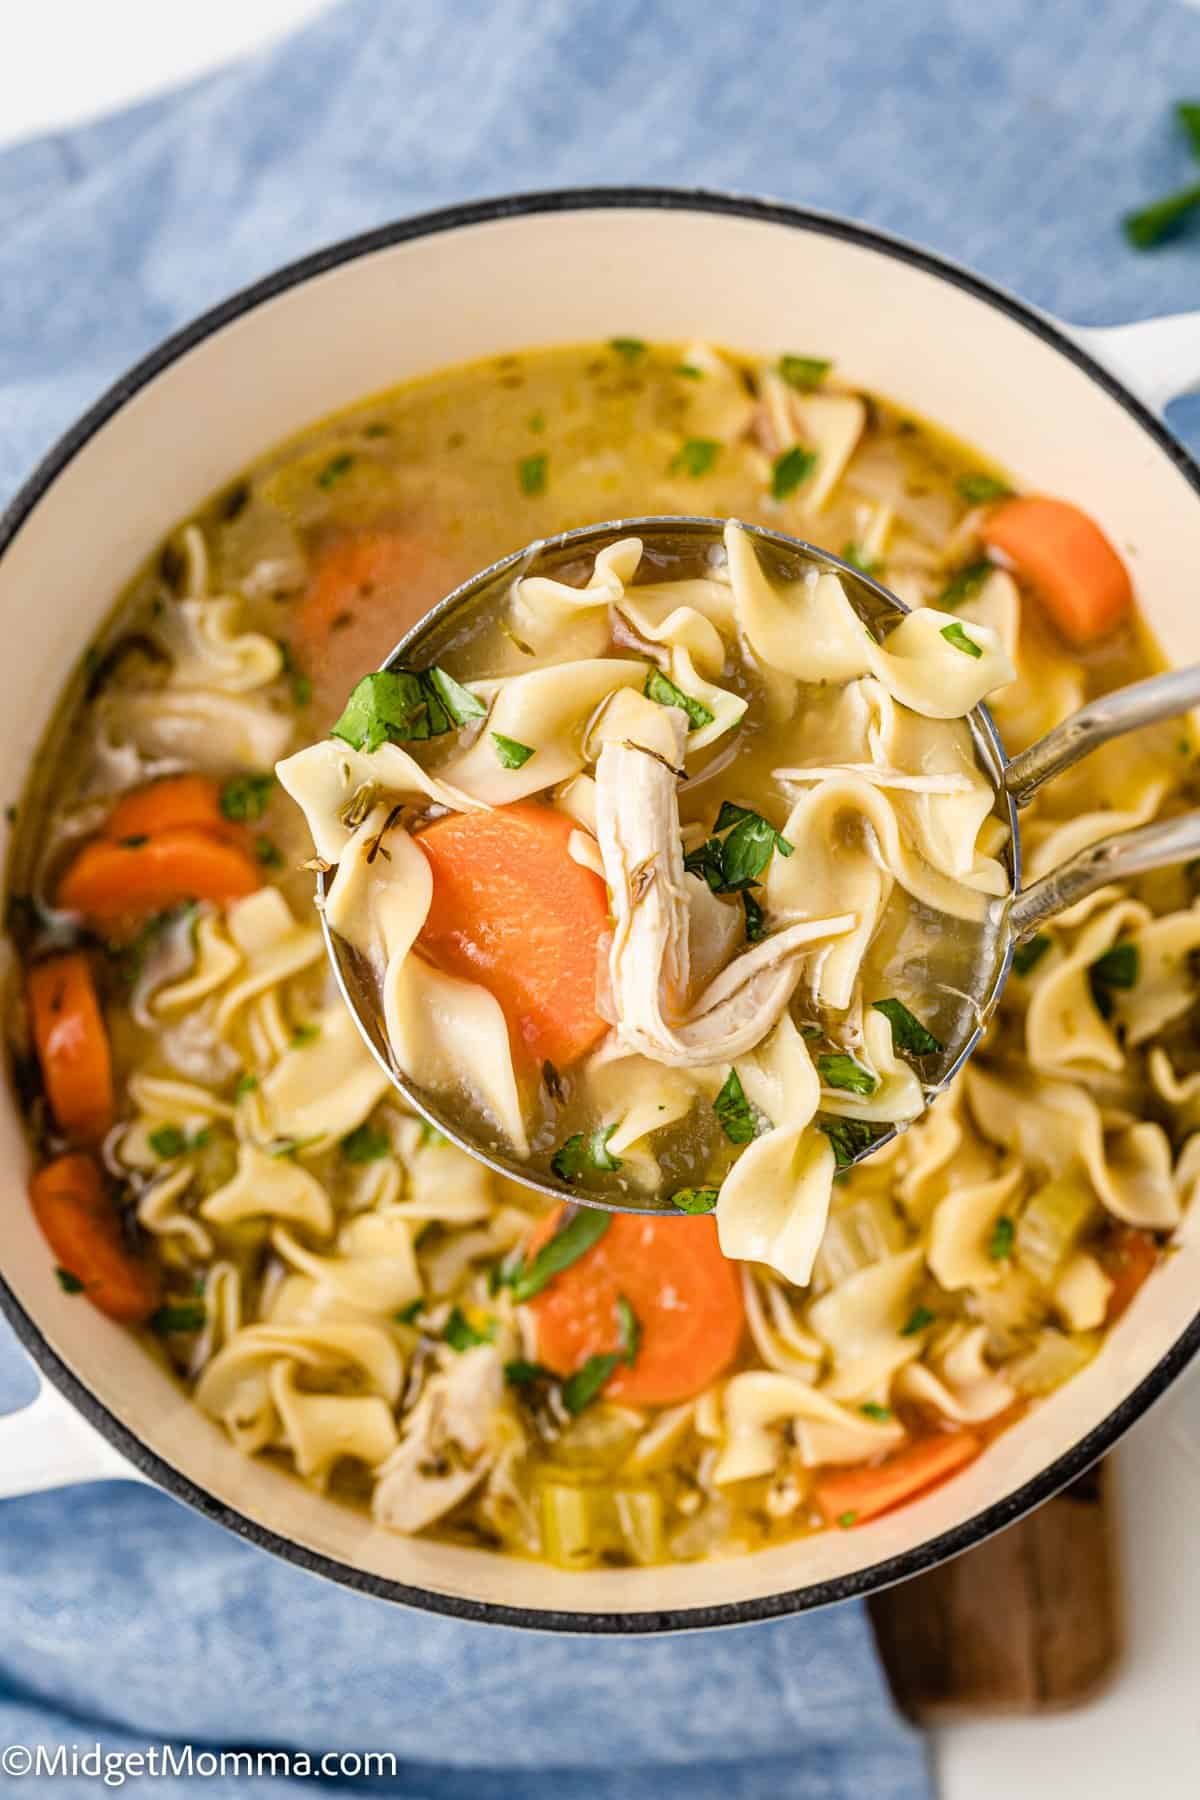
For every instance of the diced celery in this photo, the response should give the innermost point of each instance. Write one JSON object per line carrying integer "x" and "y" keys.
{"x": 568, "y": 1525}
{"x": 640, "y": 1518}
{"x": 1012, "y": 1310}
{"x": 1052, "y": 1225}
{"x": 582, "y": 1522}
{"x": 1055, "y": 1357}
{"x": 863, "y": 1229}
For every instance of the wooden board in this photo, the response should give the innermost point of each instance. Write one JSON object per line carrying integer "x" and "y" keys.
{"x": 1027, "y": 1622}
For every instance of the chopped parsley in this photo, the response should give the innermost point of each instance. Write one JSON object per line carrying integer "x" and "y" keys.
{"x": 186, "y": 1315}
{"x": 847, "y": 1519}
{"x": 1153, "y": 225}
{"x": 688, "y": 371}
{"x": 169, "y": 1141}
{"x": 245, "y": 1084}
{"x": 536, "y": 422}
{"x": 628, "y": 347}
{"x": 1000, "y": 1244}
{"x": 736, "y": 861}
{"x": 531, "y": 473}
{"x": 246, "y": 797}
{"x": 511, "y": 754}
{"x": 1028, "y": 955}
{"x": 520, "y": 1372}
{"x": 408, "y": 1315}
{"x": 573, "y": 1239}
{"x": 979, "y": 489}
{"x": 844, "y": 1071}
{"x": 304, "y": 1035}
{"x": 849, "y": 1137}
{"x": 965, "y": 583}
{"x": 735, "y": 1115}
{"x": 1116, "y": 970}
{"x": 69, "y": 1283}
{"x": 804, "y": 372}
{"x": 400, "y": 706}
{"x": 366, "y": 1144}
{"x": 791, "y": 470}
{"x": 920, "y": 1319}
{"x": 871, "y": 1409}
{"x": 461, "y": 1335}
{"x": 300, "y": 684}
{"x": 695, "y": 457}
{"x": 954, "y": 634}
{"x": 908, "y": 1033}
{"x": 856, "y": 556}
{"x": 756, "y": 924}
{"x": 580, "y": 1389}
{"x": 661, "y": 689}
{"x": 268, "y": 854}
{"x": 335, "y": 469}
{"x": 695, "y": 1200}
{"x": 583, "y": 1152}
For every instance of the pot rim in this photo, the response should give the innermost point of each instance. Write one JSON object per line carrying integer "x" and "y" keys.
{"x": 890, "y": 1570}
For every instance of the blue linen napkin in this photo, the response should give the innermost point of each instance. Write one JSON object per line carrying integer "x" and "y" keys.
{"x": 1010, "y": 136}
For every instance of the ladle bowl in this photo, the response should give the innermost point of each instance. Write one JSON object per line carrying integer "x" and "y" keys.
{"x": 678, "y": 547}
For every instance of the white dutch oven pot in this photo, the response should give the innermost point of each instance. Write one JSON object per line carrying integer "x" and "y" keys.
{"x": 1070, "y": 412}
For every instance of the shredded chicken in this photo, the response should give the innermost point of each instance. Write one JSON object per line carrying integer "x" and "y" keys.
{"x": 448, "y": 1446}
{"x": 637, "y": 821}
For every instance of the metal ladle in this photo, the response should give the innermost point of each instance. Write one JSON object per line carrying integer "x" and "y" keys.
{"x": 677, "y": 547}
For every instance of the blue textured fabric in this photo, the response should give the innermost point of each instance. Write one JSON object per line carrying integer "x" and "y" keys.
{"x": 1010, "y": 135}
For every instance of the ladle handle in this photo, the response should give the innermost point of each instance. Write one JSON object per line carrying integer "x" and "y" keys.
{"x": 1113, "y": 859}
{"x": 1111, "y": 716}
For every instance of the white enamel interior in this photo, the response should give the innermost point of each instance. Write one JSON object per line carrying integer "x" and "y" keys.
{"x": 489, "y": 288}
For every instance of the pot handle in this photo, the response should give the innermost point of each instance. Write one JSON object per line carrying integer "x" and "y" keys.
{"x": 47, "y": 1444}
{"x": 1158, "y": 358}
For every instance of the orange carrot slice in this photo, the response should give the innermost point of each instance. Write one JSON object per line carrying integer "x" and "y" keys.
{"x": 366, "y": 590}
{"x": 851, "y": 1496}
{"x": 175, "y": 803}
{"x": 685, "y": 1295}
{"x": 1075, "y": 571}
{"x": 72, "y": 1045}
{"x": 512, "y": 910}
{"x": 1133, "y": 1257}
{"x": 80, "y": 1223}
{"x": 117, "y": 883}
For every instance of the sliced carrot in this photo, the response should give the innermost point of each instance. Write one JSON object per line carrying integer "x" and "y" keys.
{"x": 175, "y": 803}
{"x": 72, "y": 1045}
{"x": 685, "y": 1295}
{"x": 1075, "y": 571}
{"x": 115, "y": 883}
{"x": 1133, "y": 1256}
{"x": 512, "y": 910}
{"x": 851, "y": 1496}
{"x": 81, "y": 1225}
{"x": 367, "y": 588}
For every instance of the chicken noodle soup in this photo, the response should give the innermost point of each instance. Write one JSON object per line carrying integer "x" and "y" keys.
{"x": 220, "y": 1164}
{"x": 684, "y": 894}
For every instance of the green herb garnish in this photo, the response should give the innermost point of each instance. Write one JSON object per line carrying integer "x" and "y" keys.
{"x": 908, "y": 1033}
{"x": 871, "y": 1409}
{"x": 791, "y": 470}
{"x": 187, "y": 1315}
{"x": 804, "y": 372}
{"x": 735, "y": 1115}
{"x": 246, "y": 797}
{"x": 335, "y": 469}
{"x": 689, "y": 371}
{"x": 856, "y": 556}
{"x": 305, "y": 1034}
{"x": 695, "y": 457}
{"x": 69, "y": 1283}
{"x": 1153, "y": 225}
{"x": 695, "y": 1200}
{"x": 522, "y": 1373}
{"x": 531, "y": 472}
{"x": 430, "y": 1137}
{"x": 979, "y": 489}
{"x": 844, "y": 1071}
{"x": 580, "y": 1389}
{"x": 918, "y": 1320}
{"x": 408, "y": 1315}
{"x": 573, "y": 1239}
{"x": 168, "y": 1141}
{"x": 366, "y": 1144}
{"x": 847, "y": 1519}
{"x": 756, "y": 924}
{"x": 966, "y": 583}
{"x": 1000, "y": 1244}
{"x": 628, "y": 347}
{"x": 400, "y": 706}
{"x": 536, "y": 421}
{"x": 461, "y": 1335}
{"x": 849, "y": 1137}
{"x": 268, "y": 854}
{"x": 583, "y": 1152}
{"x": 461, "y": 704}
{"x": 1028, "y": 955}
{"x": 661, "y": 689}
{"x": 1116, "y": 970}
{"x": 245, "y": 1084}
{"x": 509, "y": 753}
{"x": 954, "y": 634}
